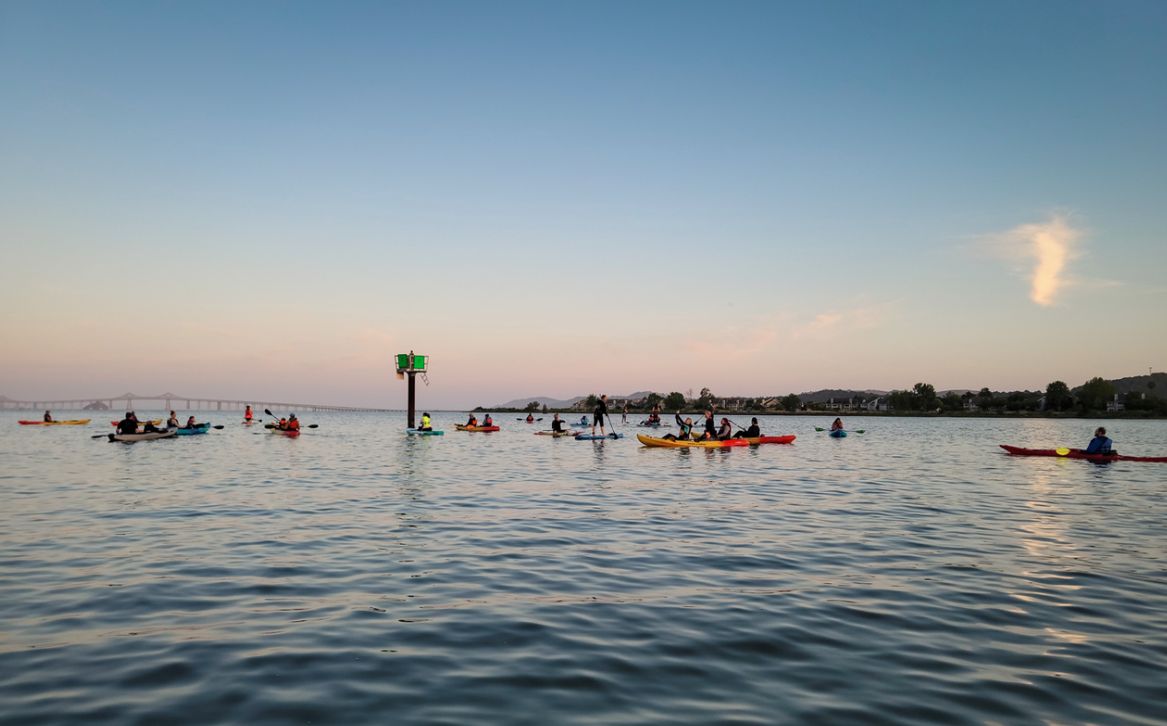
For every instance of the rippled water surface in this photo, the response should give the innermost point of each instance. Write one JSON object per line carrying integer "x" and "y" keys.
{"x": 909, "y": 574}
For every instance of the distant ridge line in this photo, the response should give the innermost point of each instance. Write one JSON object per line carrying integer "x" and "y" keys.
{"x": 169, "y": 399}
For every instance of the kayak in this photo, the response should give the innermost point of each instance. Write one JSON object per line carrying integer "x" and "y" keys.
{"x": 556, "y": 434}
{"x": 653, "y": 424}
{"x": 787, "y": 439}
{"x": 670, "y": 444}
{"x": 155, "y": 421}
{"x": 753, "y": 441}
{"x": 131, "y": 438}
{"x": 597, "y": 437}
{"x": 290, "y": 433}
{"x": 838, "y": 434}
{"x": 196, "y": 429}
{"x": 70, "y": 422}
{"x": 416, "y": 432}
{"x": 1080, "y": 454}
{"x": 461, "y": 427}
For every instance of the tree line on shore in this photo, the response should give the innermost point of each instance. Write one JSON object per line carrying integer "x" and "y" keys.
{"x": 1096, "y": 396}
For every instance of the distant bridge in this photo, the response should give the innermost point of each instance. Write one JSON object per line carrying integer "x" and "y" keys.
{"x": 168, "y": 400}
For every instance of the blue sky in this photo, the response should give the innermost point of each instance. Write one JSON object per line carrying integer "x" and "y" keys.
{"x": 757, "y": 197}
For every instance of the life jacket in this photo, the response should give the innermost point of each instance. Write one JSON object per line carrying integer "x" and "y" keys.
{"x": 472, "y": 422}
{"x": 294, "y": 424}
{"x": 247, "y": 414}
{"x": 425, "y": 422}
{"x": 283, "y": 424}
{"x": 488, "y": 421}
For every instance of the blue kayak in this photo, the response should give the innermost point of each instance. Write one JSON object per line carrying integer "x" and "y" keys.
{"x": 196, "y": 429}
{"x": 416, "y": 432}
{"x": 597, "y": 437}
{"x": 839, "y": 434}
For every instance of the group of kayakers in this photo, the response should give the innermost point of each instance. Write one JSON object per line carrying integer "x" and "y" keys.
{"x": 711, "y": 431}
{"x": 472, "y": 422}
{"x": 130, "y": 424}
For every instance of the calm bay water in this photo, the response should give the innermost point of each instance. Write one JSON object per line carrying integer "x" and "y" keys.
{"x": 912, "y": 574}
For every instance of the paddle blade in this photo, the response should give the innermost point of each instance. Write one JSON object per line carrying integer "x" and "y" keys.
{"x": 860, "y": 431}
{"x": 269, "y": 413}
{"x": 1062, "y": 451}
{"x": 819, "y": 428}
{"x": 220, "y": 427}
{"x": 312, "y": 426}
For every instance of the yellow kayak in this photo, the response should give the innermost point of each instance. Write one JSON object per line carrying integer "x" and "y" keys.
{"x": 70, "y": 422}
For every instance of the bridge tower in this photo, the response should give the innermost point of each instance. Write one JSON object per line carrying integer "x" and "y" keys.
{"x": 410, "y": 365}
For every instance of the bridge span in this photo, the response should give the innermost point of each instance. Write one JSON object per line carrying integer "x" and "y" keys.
{"x": 168, "y": 401}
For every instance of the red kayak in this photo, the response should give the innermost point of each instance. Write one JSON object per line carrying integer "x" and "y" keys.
{"x": 1079, "y": 454}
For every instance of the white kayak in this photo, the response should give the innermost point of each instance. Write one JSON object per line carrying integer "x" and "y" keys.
{"x": 131, "y": 438}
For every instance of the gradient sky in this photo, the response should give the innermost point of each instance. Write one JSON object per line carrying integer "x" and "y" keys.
{"x": 269, "y": 199}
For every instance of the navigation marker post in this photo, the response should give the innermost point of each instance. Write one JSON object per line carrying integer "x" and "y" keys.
{"x": 410, "y": 365}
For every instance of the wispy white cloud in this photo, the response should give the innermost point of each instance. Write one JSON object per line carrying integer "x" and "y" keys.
{"x": 1047, "y": 248}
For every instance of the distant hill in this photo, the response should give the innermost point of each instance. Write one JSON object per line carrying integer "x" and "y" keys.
{"x": 1139, "y": 384}
{"x": 837, "y": 394}
{"x": 568, "y": 402}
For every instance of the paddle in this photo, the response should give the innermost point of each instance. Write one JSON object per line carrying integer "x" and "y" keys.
{"x": 613, "y": 425}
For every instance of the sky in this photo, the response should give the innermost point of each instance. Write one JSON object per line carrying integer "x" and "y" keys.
{"x": 268, "y": 200}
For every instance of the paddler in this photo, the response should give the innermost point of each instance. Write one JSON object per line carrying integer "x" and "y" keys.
{"x": 710, "y": 432}
{"x": 583, "y": 420}
{"x": 293, "y": 423}
{"x": 530, "y": 418}
{"x": 191, "y": 423}
{"x": 556, "y": 424}
{"x": 624, "y": 413}
{"x": 129, "y": 424}
{"x": 599, "y": 414}
{"x": 247, "y": 414}
{"x": 172, "y": 422}
{"x": 726, "y": 430}
{"x": 425, "y": 423}
{"x": 48, "y": 417}
{"x": 753, "y": 432}
{"x": 1100, "y": 444}
{"x": 283, "y": 424}
{"x": 472, "y": 421}
{"x": 837, "y": 425}
{"x": 685, "y": 427}
{"x": 487, "y": 420}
